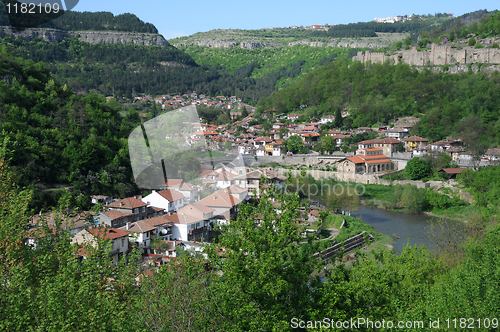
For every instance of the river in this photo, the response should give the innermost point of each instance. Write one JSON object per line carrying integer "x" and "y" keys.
{"x": 398, "y": 225}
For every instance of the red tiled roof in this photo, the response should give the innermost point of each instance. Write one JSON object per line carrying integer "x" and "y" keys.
{"x": 386, "y": 160}
{"x": 220, "y": 199}
{"x": 355, "y": 159}
{"x": 453, "y": 170}
{"x": 171, "y": 195}
{"x": 160, "y": 220}
{"x": 174, "y": 182}
{"x": 127, "y": 203}
{"x": 140, "y": 226}
{"x": 112, "y": 214}
{"x": 416, "y": 139}
{"x": 108, "y": 233}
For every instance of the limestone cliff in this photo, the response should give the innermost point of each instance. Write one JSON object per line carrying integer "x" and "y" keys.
{"x": 54, "y": 35}
{"x": 438, "y": 55}
{"x": 222, "y": 43}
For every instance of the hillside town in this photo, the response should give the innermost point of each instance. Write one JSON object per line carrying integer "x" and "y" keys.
{"x": 185, "y": 215}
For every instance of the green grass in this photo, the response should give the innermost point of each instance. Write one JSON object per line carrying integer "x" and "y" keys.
{"x": 333, "y": 221}
{"x": 377, "y": 192}
{"x": 395, "y": 176}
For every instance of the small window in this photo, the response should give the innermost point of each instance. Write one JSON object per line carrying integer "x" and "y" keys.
{"x": 123, "y": 242}
{"x": 143, "y": 209}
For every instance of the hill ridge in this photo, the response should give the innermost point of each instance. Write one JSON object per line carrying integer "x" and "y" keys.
{"x": 89, "y": 36}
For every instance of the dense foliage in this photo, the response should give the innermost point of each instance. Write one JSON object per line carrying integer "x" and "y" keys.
{"x": 417, "y": 168}
{"x": 375, "y": 93}
{"x": 54, "y": 136}
{"x": 484, "y": 184}
{"x": 128, "y": 69}
{"x": 264, "y": 280}
{"x": 75, "y": 21}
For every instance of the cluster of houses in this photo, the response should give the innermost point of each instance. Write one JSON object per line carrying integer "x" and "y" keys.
{"x": 175, "y": 215}
{"x": 223, "y": 102}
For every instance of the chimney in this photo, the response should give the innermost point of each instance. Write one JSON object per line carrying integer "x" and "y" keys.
{"x": 128, "y": 225}
{"x": 121, "y": 204}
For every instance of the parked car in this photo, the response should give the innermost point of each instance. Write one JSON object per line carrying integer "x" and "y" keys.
{"x": 289, "y": 154}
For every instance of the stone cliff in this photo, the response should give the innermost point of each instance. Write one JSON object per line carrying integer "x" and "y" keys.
{"x": 437, "y": 55}
{"x": 54, "y": 35}
{"x": 225, "y": 43}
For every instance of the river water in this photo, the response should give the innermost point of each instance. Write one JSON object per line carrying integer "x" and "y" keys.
{"x": 398, "y": 225}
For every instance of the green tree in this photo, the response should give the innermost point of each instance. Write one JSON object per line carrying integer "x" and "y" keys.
{"x": 338, "y": 118}
{"x": 328, "y": 144}
{"x": 472, "y": 41}
{"x": 417, "y": 168}
{"x": 228, "y": 145}
{"x": 263, "y": 269}
{"x": 295, "y": 144}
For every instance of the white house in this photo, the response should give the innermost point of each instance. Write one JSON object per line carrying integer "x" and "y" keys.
{"x": 170, "y": 200}
{"x": 260, "y": 151}
{"x": 140, "y": 233}
{"x": 189, "y": 228}
{"x": 327, "y": 118}
{"x": 190, "y": 191}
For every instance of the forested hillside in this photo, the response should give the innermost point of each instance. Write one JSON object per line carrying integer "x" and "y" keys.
{"x": 54, "y": 136}
{"x": 377, "y": 93}
{"x": 128, "y": 69}
{"x": 100, "y": 21}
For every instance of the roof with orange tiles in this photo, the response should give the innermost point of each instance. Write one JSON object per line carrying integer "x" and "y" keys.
{"x": 195, "y": 209}
{"x": 234, "y": 190}
{"x": 127, "y": 203}
{"x": 356, "y": 160}
{"x": 108, "y": 233}
{"x": 220, "y": 199}
{"x": 171, "y": 195}
{"x": 386, "y": 160}
{"x": 173, "y": 182}
{"x": 184, "y": 219}
{"x": 453, "y": 170}
{"x": 416, "y": 139}
{"x": 188, "y": 186}
{"x": 373, "y": 157}
{"x": 112, "y": 214}
{"x": 140, "y": 226}
{"x": 160, "y": 220}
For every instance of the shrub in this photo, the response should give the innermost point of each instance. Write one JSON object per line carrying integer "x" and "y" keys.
{"x": 417, "y": 168}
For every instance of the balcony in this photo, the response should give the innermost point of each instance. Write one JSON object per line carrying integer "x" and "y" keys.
{"x": 198, "y": 230}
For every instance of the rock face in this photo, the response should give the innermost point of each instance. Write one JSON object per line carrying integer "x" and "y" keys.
{"x": 437, "y": 55}
{"x": 222, "y": 43}
{"x": 54, "y": 35}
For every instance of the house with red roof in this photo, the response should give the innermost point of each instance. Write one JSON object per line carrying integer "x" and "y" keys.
{"x": 170, "y": 200}
{"x": 415, "y": 143}
{"x": 117, "y": 237}
{"x": 130, "y": 205}
{"x": 366, "y": 161}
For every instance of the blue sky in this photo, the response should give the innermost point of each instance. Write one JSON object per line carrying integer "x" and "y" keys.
{"x": 176, "y": 18}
